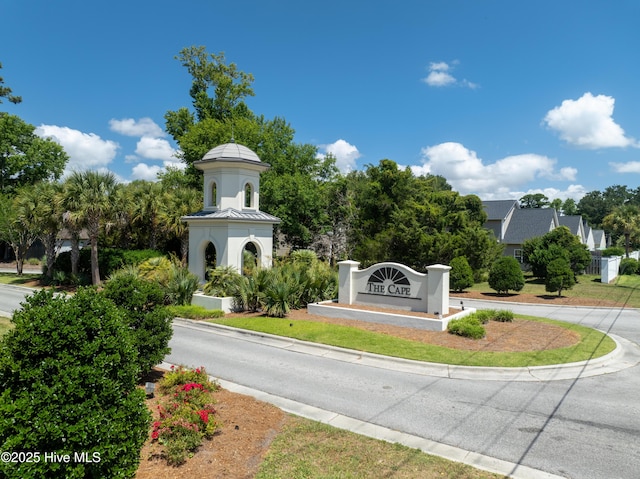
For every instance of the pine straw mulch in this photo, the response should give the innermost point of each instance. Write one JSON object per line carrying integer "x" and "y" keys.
{"x": 249, "y": 426}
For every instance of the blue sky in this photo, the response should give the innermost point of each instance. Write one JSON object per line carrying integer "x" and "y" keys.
{"x": 502, "y": 98}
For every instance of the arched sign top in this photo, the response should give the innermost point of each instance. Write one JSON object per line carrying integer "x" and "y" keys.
{"x": 389, "y": 273}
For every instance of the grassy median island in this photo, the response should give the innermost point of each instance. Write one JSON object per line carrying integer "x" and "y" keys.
{"x": 592, "y": 343}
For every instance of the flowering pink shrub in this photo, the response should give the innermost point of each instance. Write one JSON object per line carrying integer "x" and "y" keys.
{"x": 186, "y": 416}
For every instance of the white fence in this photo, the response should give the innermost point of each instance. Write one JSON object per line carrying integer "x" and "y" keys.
{"x": 610, "y": 266}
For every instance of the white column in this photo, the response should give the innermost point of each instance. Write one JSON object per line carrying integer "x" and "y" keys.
{"x": 438, "y": 289}
{"x": 346, "y": 295}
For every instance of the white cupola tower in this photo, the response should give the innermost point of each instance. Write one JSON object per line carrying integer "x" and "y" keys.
{"x": 231, "y": 220}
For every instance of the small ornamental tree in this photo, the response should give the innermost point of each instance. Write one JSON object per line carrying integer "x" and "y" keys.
{"x": 559, "y": 243}
{"x": 142, "y": 304}
{"x": 506, "y": 275}
{"x": 461, "y": 274}
{"x": 68, "y": 379}
{"x": 559, "y": 276}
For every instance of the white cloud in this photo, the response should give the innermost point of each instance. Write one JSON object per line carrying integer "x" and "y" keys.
{"x": 345, "y": 153}
{"x": 587, "y": 123}
{"x": 155, "y": 149}
{"x": 575, "y": 192}
{"x": 467, "y": 173}
{"x": 628, "y": 167}
{"x": 142, "y": 171}
{"x": 439, "y": 76}
{"x": 85, "y": 150}
{"x": 131, "y": 127}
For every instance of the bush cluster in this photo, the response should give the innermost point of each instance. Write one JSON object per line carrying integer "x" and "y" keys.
{"x": 500, "y": 315}
{"x": 471, "y": 326}
{"x": 629, "y": 266}
{"x": 109, "y": 260}
{"x": 293, "y": 284}
{"x": 186, "y": 416}
{"x": 467, "y": 326}
{"x": 141, "y": 303}
{"x": 613, "y": 251}
{"x": 68, "y": 375}
{"x": 175, "y": 280}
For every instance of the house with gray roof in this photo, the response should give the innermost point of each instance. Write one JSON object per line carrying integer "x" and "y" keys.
{"x": 499, "y": 215}
{"x": 599, "y": 240}
{"x": 527, "y": 223}
{"x": 575, "y": 225}
{"x": 513, "y": 225}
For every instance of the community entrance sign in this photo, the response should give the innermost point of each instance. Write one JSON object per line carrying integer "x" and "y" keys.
{"x": 396, "y": 286}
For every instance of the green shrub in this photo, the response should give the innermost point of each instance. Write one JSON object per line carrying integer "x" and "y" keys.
{"x": 194, "y": 312}
{"x": 503, "y": 316}
{"x": 221, "y": 281}
{"x": 484, "y": 315}
{"x": 181, "y": 285}
{"x": 68, "y": 379}
{"x": 109, "y": 260}
{"x": 613, "y": 251}
{"x": 461, "y": 274}
{"x": 150, "y": 322}
{"x": 306, "y": 257}
{"x": 156, "y": 269}
{"x": 467, "y": 326}
{"x": 629, "y": 266}
{"x": 278, "y": 298}
{"x": 505, "y": 275}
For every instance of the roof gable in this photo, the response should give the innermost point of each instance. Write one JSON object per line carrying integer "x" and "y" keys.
{"x": 527, "y": 223}
{"x": 499, "y": 209}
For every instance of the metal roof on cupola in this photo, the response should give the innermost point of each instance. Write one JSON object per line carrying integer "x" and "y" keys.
{"x": 231, "y": 152}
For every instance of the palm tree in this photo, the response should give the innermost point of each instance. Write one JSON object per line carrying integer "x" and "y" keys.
{"x": 49, "y": 219}
{"x": 177, "y": 203}
{"x": 624, "y": 220}
{"x": 124, "y": 211}
{"x": 89, "y": 199}
{"x": 147, "y": 208}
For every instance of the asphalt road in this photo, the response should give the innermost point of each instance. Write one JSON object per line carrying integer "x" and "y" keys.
{"x": 11, "y": 297}
{"x": 587, "y": 428}
{"x": 579, "y": 428}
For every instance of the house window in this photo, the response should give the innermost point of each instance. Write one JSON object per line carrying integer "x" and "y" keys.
{"x": 248, "y": 196}
{"x": 517, "y": 254}
{"x": 214, "y": 194}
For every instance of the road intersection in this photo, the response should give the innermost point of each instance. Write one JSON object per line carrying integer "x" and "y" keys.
{"x": 578, "y": 421}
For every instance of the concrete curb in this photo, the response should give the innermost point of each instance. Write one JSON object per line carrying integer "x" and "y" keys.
{"x": 626, "y": 354}
{"x": 452, "y": 453}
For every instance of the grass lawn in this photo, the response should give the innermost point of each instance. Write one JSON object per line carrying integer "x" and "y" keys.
{"x": 5, "y": 325}
{"x": 12, "y": 278}
{"x": 310, "y": 449}
{"x": 624, "y": 290}
{"x": 593, "y": 343}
